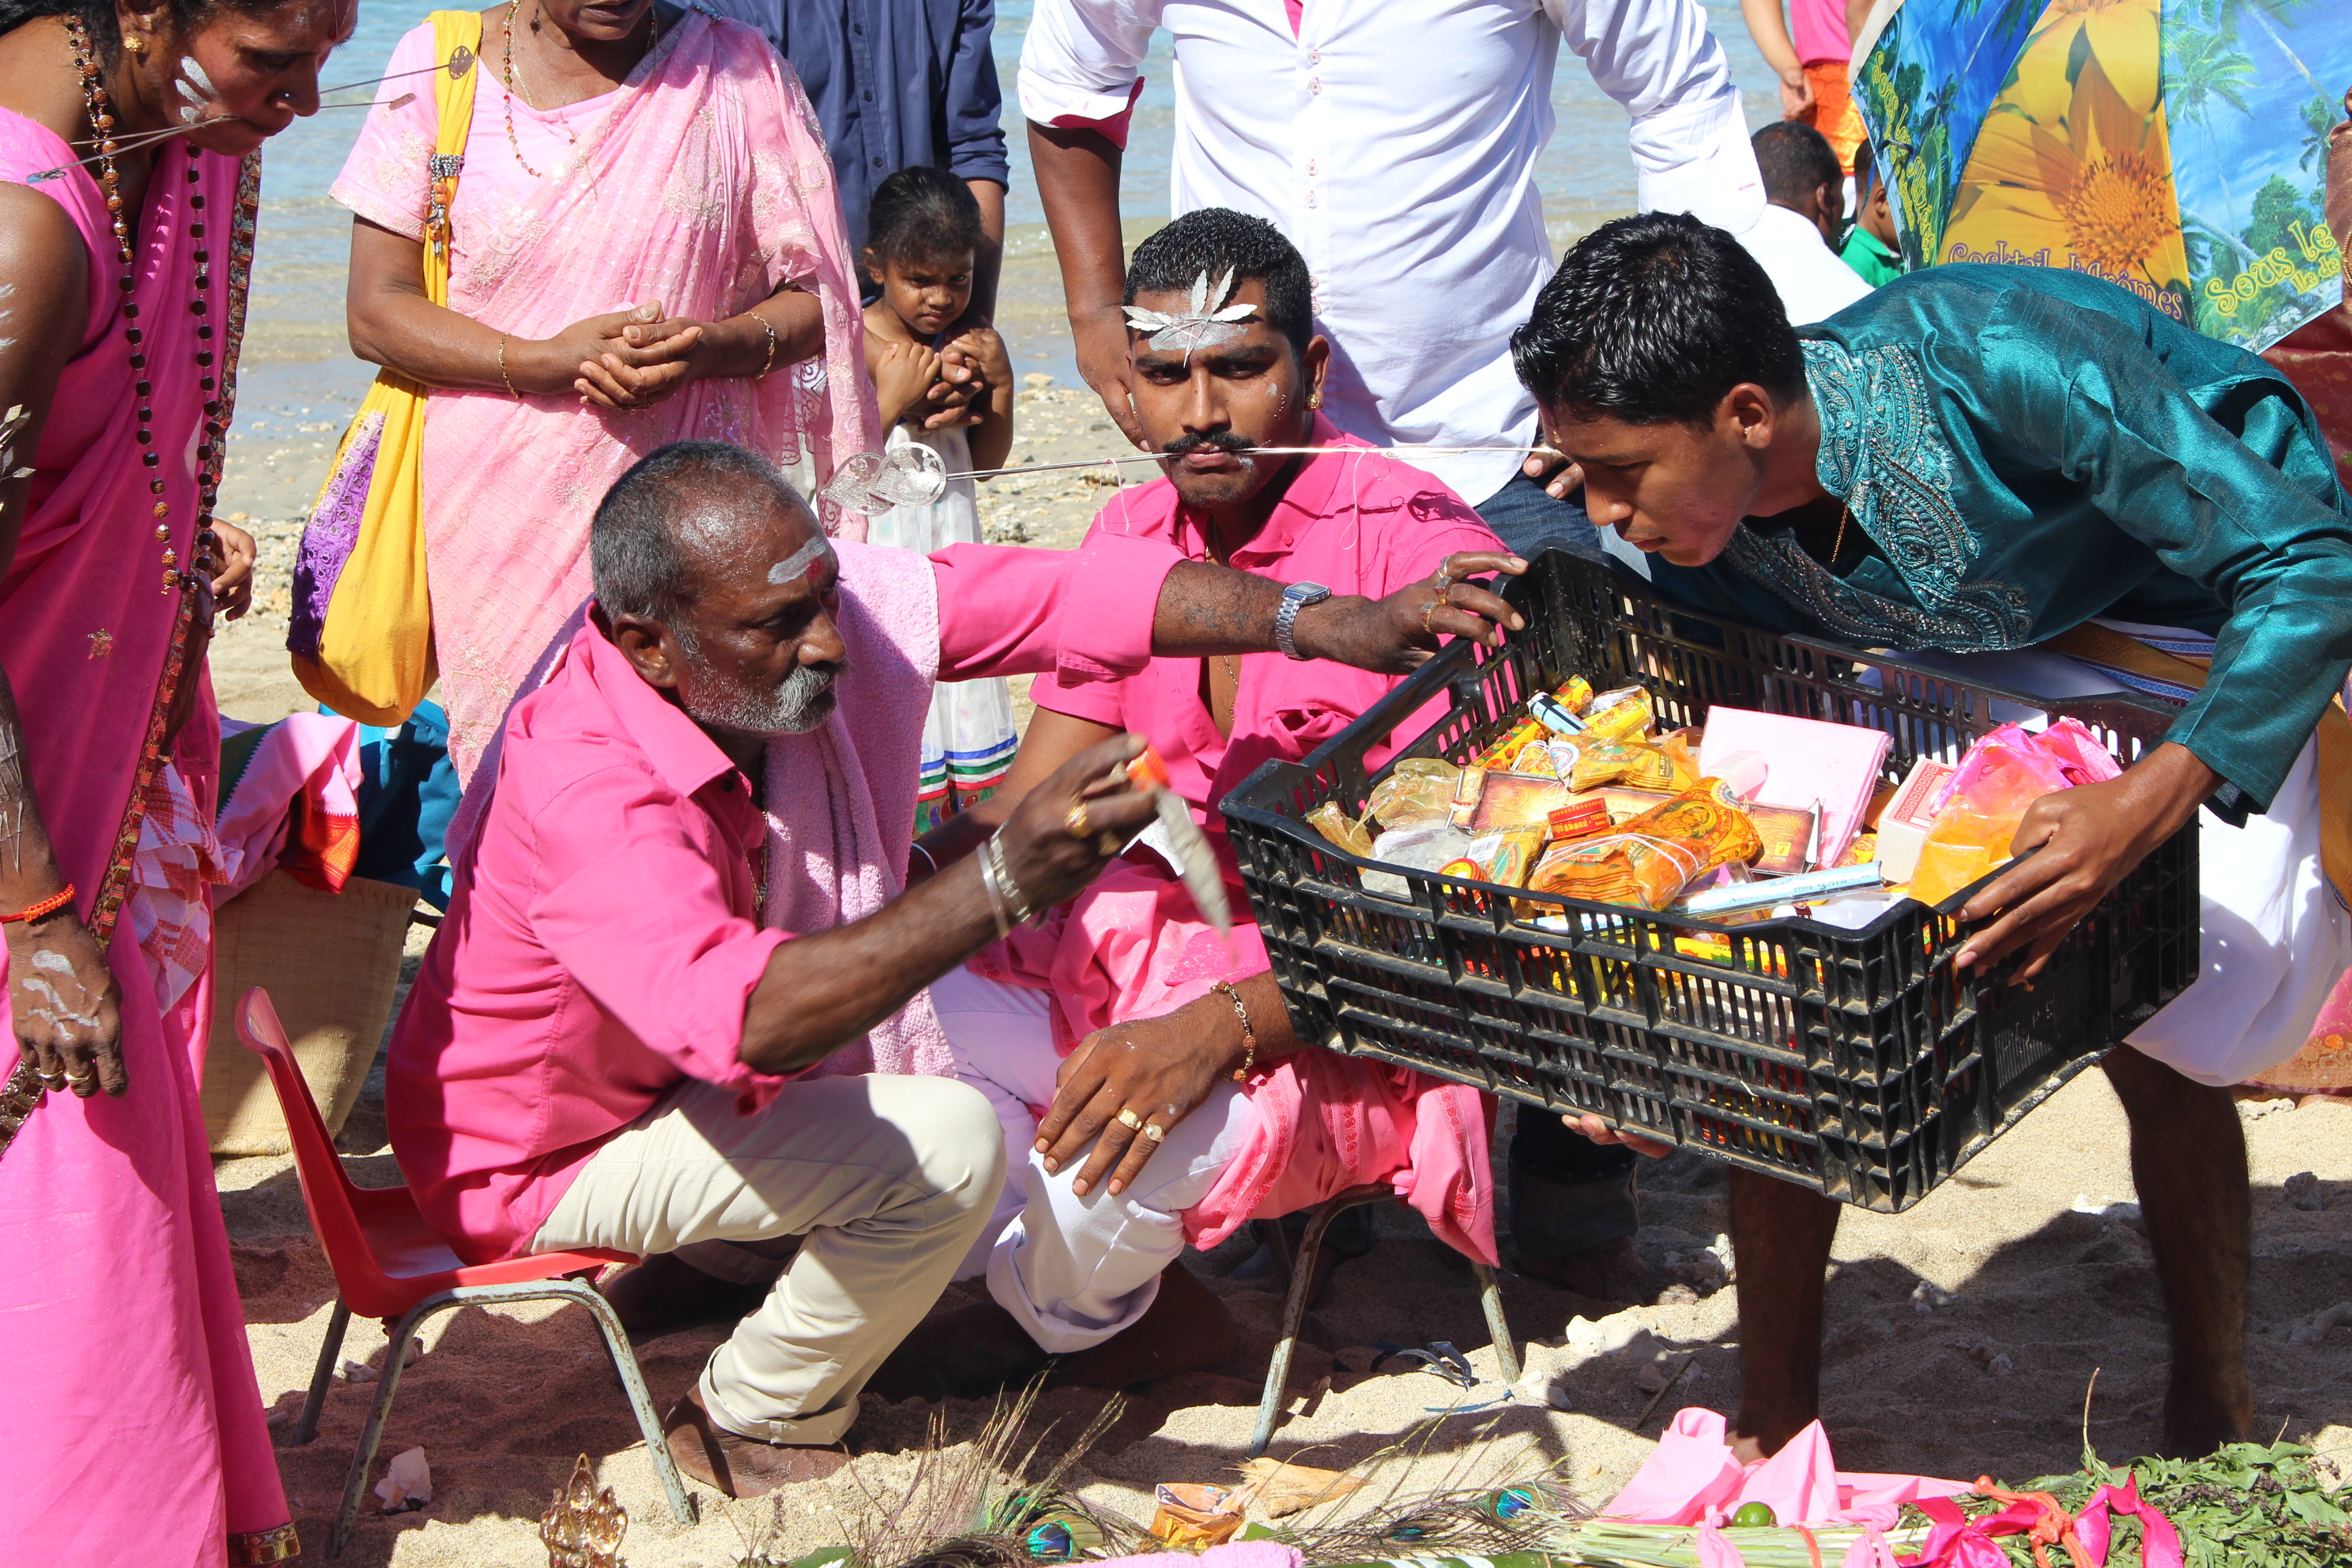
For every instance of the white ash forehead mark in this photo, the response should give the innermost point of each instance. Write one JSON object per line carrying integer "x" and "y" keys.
{"x": 792, "y": 566}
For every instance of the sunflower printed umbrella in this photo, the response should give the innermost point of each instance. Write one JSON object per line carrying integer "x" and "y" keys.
{"x": 2175, "y": 147}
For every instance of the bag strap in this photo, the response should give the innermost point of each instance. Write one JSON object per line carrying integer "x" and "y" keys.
{"x": 458, "y": 40}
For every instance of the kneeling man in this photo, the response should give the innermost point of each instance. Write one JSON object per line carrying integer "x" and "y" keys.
{"x": 2036, "y": 477}
{"x": 682, "y": 939}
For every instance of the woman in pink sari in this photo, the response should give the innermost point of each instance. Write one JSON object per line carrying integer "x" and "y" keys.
{"x": 645, "y": 249}
{"x": 134, "y": 1431}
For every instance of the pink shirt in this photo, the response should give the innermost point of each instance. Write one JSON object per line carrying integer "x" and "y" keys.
{"x": 1363, "y": 525}
{"x": 1817, "y": 29}
{"x": 603, "y": 937}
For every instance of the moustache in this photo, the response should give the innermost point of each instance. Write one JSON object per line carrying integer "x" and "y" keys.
{"x": 1194, "y": 441}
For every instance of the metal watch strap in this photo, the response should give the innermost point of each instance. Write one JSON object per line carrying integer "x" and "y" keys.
{"x": 1295, "y": 598}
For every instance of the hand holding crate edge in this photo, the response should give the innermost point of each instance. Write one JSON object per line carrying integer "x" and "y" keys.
{"x": 1864, "y": 1063}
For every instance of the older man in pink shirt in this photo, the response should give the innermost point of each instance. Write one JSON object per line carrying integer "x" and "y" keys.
{"x": 1128, "y": 1002}
{"x": 680, "y": 955}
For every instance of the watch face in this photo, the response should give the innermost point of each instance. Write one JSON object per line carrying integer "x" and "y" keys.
{"x": 1307, "y": 592}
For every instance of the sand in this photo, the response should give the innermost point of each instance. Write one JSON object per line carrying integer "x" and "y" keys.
{"x": 1962, "y": 1335}
{"x": 2035, "y": 1298}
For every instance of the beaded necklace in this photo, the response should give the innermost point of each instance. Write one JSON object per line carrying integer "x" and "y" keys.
{"x": 653, "y": 36}
{"x": 212, "y": 449}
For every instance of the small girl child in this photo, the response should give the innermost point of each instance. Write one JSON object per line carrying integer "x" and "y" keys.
{"x": 923, "y": 239}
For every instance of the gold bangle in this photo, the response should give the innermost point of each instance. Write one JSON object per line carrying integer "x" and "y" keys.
{"x": 768, "y": 327}
{"x": 1249, "y": 1035}
{"x": 502, "y": 368}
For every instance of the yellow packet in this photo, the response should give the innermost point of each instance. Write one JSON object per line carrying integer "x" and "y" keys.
{"x": 1622, "y": 715}
{"x": 1629, "y": 763}
{"x": 1504, "y": 856}
{"x": 1334, "y": 825}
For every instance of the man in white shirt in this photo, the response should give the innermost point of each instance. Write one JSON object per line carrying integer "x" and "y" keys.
{"x": 1802, "y": 220}
{"x": 1394, "y": 141}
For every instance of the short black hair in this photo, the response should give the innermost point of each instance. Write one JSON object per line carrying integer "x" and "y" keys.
{"x": 1655, "y": 318}
{"x": 921, "y": 213}
{"x": 1796, "y": 161}
{"x": 1213, "y": 239}
{"x": 633, "y": 556}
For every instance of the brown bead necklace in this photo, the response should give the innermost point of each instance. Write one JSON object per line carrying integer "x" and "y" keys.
{"x": 212, "y": 449}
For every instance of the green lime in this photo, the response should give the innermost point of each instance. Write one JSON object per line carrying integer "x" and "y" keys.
{"x": 1754, "y": 1516}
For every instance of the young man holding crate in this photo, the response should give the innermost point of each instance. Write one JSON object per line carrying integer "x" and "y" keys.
{"x": 2041, "y": 479}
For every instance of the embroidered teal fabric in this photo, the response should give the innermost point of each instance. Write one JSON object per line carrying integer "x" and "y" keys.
{"x": 2026, "y": 449}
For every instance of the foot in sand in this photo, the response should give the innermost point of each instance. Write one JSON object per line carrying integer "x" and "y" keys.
{"x": 1612, "y": 1271}
{"x": 1185, "y": 1329}
{"x": 738, "y": 1466}
{"x": 662, "y": 1296}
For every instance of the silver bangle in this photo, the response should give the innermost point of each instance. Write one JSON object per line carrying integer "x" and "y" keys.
{"x": 929, "y": 859}
{"x": 1022, "y": 914}
{"x": 995, "y": 897}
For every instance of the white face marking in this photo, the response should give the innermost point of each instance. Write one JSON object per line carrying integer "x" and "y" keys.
{"x": 798, "y": 563}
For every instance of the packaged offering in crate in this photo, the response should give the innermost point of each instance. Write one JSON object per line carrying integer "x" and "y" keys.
{"x": 1791, "y": 1009}
{"x": 1756, "y": 816}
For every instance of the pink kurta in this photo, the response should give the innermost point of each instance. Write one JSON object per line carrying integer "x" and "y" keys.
{"x": 1134, "y": 946}
{"x": 701, "y": 182}
{"x": 134, "y": 1429}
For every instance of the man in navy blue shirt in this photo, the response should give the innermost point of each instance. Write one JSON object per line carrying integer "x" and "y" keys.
{"x": 896, "y": 83}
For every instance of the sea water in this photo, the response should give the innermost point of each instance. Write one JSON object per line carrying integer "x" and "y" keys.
{"x": 299, "y": 379}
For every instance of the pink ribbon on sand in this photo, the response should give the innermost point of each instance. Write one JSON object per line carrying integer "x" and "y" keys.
{"x": 1691, "y": 1478}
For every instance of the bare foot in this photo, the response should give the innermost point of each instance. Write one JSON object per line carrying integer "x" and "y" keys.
{"x": 662, "y": 1296}
{"x": 738, "y": 1466}
{"x": 1185, "y": 1329}
{"x": 1612, "y": 1271}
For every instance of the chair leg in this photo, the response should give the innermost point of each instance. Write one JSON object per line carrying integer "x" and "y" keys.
{"x": 1490, "y": 1296}
{"x": 323, "y": 1373}
{"x": 387, "y": 1384}
{"x": 682, "y": 1504}
{"x": 1294, "y": 1314}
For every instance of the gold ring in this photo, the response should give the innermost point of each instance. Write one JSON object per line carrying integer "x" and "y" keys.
{"x": 1129, "y": 1120}
{"x": 1075, "y": 822}
{"x": 54, "y": 1083}
{"x": 1153, "y": 1131}
{"x": 80, "y": 1078}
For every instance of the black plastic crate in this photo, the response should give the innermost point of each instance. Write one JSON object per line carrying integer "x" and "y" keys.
{"x": 1858, "y": 1063}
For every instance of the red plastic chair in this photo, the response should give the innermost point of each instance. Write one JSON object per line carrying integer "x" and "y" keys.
{"x": 391, "y": 1265}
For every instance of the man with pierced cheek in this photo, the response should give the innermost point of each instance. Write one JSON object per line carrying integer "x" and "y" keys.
{"x": 677, "y": 1009}
{"x": 1180, "y": 1104}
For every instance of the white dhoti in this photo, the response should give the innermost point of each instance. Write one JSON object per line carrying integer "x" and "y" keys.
{"x": 1074, "y": 1271}
{"x": 2275, "y": 937}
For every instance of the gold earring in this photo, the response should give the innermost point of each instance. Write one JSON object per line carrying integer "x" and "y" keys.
{"x": 134, "y": 43}
{"x": 1315, "y": 400}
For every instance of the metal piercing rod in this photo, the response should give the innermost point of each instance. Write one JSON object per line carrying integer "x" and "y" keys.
{"x": 1246, "y": 452}
{"x": 460, "y": 61}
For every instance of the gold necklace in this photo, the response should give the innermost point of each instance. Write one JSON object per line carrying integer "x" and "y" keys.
{"x": 653, "y": 36}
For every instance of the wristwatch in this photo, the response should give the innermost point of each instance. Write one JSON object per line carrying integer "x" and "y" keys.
{"x": 1295, "y": 598}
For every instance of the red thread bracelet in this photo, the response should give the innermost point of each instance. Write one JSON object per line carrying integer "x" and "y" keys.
{"x": 48, "y": 906}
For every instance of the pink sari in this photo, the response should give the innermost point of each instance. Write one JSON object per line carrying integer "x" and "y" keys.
{"x": 701, "y": 182}
{"x": 134, "y": 1431}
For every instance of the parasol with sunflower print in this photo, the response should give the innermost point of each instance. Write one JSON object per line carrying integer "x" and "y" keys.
{"x": 2176, "y": 148}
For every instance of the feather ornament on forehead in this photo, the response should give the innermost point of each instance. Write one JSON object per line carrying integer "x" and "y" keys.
{"x": 1204, "y": 326}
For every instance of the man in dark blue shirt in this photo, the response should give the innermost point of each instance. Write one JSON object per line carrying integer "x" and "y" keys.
{"x": 896, "y": 83}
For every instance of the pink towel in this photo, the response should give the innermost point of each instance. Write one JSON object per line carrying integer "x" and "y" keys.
{"x": 310, "y": 757}
{"x": 841, "y": 798}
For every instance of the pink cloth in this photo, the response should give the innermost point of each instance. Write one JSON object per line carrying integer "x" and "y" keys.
{"x": 702, "y": 183}
{"x": 1134, "y": 946}
{"x": 1691, "y": 1478}
{"x": 120, "y": 1323}
{"x": 2010, "y": 767}
{"x": 312, "y": 758}
{"x": 1817, "y": 29}
{"x": 601, "y": 938}
{"x": 1232, "y": 1554}
{"x": 841, "y": 802}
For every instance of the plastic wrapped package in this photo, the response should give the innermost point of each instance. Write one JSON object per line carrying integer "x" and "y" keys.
{"x": 1343, "y": 831}
{"x": 1632, "y": 763}
{"x": 1422, "y": 849}
{"x": 1649, "y": 860}
{"x": 2000, "y": 778}
{"x": 1506, "y": 854}
{"x": 1418, "y": 791}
